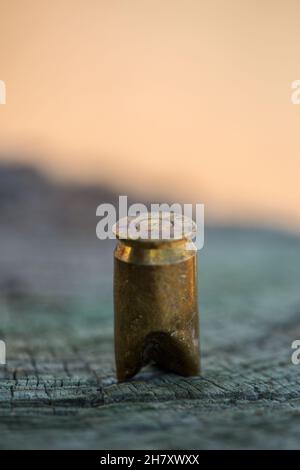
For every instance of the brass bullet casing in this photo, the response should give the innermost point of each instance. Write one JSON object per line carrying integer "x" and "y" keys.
{"x": 155, "y": 303}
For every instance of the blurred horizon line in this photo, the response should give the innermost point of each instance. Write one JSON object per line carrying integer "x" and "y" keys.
{"x": 113, "y": 190}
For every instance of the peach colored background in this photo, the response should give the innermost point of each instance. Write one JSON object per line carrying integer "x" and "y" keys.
{"x": 189, "y": 97}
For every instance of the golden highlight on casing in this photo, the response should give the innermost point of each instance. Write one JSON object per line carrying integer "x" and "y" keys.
{"x": 156, "y": 305}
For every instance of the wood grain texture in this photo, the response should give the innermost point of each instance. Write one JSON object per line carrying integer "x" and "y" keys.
{"x": 59, "y": 390}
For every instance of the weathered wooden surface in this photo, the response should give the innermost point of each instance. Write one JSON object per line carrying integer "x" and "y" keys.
{"x": 58, "y": 389}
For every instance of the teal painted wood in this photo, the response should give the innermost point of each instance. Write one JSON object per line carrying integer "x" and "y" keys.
{"x": 58, "y": 389}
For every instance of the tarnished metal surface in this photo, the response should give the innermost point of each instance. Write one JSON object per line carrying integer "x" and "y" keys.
{"x": 156, "y": 311}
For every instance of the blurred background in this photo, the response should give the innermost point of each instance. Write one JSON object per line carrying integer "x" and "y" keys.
{"x": 191, "y": 99}
{"x": 177, "y": 101}
{"x": 162, "y": 101}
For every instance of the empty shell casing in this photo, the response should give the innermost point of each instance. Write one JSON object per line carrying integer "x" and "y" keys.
{"x": 156, "y": 306}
